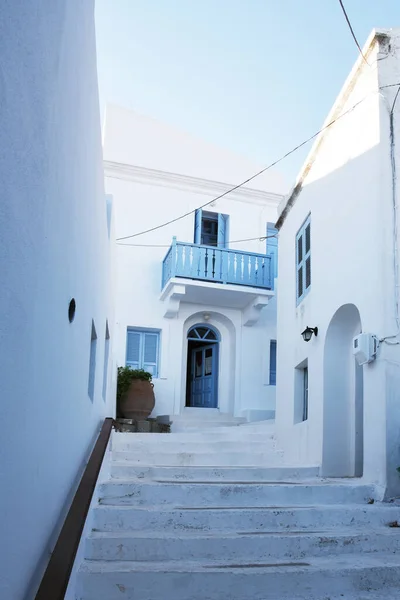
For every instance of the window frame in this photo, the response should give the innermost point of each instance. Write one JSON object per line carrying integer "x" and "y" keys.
{"x": 305, "y": 393}
{"x": 301, "y": 265}
{"x": 272, "y": 372}
{"x": 222, "y": 222}
{"x": 142, "y": 332}
{"x": 92, "y": 362}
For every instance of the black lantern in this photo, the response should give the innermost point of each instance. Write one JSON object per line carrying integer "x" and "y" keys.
{"x": 308, "y": 332}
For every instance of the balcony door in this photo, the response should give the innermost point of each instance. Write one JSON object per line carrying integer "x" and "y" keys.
{"x": 202, "y": 367}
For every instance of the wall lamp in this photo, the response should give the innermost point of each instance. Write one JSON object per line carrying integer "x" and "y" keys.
{"x": 308, "y": 332}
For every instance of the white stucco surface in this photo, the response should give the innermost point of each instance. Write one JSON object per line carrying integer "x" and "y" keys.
{"x": 348, "y": 192}
{"x": 150, "y": 188}
{"x": 54, "y": 245}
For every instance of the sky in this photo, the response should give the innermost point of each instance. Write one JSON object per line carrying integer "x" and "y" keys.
{"x": 254, "y": 76}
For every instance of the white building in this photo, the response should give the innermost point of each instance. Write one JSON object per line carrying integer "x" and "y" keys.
{"x": 55, "y": 303}
{"x": 195, "y": 299}
{"x": 339, "y": 272}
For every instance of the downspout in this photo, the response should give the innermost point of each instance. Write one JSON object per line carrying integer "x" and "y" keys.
{"x": 395, "y": 218}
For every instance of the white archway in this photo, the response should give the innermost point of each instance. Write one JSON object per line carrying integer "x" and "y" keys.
{"x": 342, "y": 446}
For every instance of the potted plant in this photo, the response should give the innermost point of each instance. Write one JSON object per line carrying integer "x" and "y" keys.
{"x": 135, "y": 393}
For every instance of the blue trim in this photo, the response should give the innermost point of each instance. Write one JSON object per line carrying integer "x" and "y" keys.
{"x": 302, "y": 255}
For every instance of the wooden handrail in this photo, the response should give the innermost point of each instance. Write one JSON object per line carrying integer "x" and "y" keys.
{"x": 221, "y": 249}
{"x": 56, "y": 577}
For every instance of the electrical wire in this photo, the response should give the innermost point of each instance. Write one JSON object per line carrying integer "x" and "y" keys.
{"x": 259, "y": 239}
{"x": 155, "y": 228}
{"x": 126, "y": 237}
{"x": 352, "y": 31}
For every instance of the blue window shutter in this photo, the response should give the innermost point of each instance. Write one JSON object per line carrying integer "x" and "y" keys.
{"x": 197, "y": 226}
{"x": 272, "y": 247}
{"x": 272, "y": 362}
{"x": 222, "y": 231}
{"x": 133, "y": 349}
{"x": 303, "y": 260}
{"x": 150, "y": 352}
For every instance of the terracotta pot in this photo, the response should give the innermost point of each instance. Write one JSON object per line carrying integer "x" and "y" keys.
{"x": 138, "y": 402}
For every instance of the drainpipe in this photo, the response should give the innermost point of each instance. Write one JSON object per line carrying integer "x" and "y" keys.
{"x": 395, "y": 227}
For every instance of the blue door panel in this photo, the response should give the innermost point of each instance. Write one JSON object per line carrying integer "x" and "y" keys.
{"x": 204, "y": 377}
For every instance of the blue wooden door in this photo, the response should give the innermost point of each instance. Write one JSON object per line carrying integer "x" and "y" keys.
{"x": 204, "y": 377}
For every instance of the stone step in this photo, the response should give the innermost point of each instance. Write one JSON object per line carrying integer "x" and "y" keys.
{"x": 191, "y": 447}
{"x": 120, "y": 492}
{"x": 311, "y": 578}
{"x": 199, "y": 426}
{"x": 248, "y": 546}
{"x": 195, "y": 437}
{"x": 196, "y": 413}
{"x": 213, "y": 459}
{"x": 285, "y": 518}
{"x": 126, "y": 470}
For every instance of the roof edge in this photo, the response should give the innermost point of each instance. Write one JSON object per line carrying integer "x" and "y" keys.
{"x": 345, "y": 91}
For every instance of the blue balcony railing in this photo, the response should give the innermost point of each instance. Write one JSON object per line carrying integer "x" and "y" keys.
{"x": 218, "y": 265}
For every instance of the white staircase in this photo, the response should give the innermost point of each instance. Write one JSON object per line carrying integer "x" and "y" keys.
{"x": 201, "y": 419}
{"x": 220, "y": 516}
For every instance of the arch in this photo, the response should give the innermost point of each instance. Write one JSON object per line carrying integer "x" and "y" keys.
{"x": 227, "y": 384}
{"x": 343, "y": 411}
{"x": 204, "y": 332}
{"x": 202, "y": 367}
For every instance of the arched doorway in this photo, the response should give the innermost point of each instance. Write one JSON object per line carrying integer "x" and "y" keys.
{"x": 342, "y": 446}
{"x": 202, "y": 367}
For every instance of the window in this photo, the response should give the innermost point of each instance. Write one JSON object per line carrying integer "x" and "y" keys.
{"x": 211, "y": 229}
{"x": 303, "y": 260}
{"x": 92, "y": 362}
{"x": 106, "y": 356}
{"x": 142, "y": 349}
{"x": 272, "y": 247}
{"x": 301, "y": 393}
{"x": 305, "y": 394}
{"x": 272, "y": 362}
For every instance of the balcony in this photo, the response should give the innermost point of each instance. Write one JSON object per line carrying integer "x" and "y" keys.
{"x": 219, "y": 265}
{"x": 210, "y": 275}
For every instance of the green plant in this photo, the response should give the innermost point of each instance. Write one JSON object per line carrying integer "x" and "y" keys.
{"x": 125, "y": 377}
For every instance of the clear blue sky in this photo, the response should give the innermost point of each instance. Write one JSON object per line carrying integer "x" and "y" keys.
{"x": 255, "y": 76}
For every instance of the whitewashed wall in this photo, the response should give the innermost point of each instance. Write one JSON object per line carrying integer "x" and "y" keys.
{"x": 54, "y": 245}
{"x": 155, "y": 174}
{"x": 348, "y": 193}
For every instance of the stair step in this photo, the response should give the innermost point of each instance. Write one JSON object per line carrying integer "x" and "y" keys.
{"x": 311, "y": 578}
{"x": 215, "y": 436}
{"x": 233, "y": 546}
{"x": 167, "y": 518}
{"x": 191, "y": 447}
{"x": 162, "y": 457}
{"x": 120, "y": 492}
{"x": 127, "y": 470}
